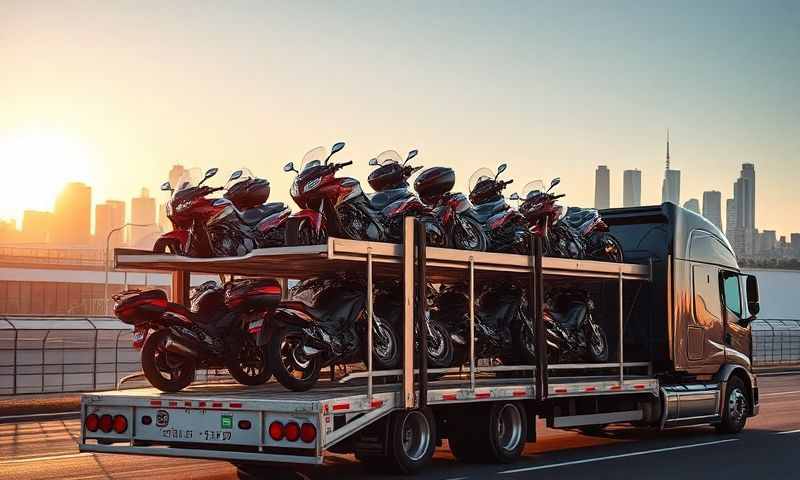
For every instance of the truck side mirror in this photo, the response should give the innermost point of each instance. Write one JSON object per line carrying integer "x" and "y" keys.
{"x": 752, "y": 295}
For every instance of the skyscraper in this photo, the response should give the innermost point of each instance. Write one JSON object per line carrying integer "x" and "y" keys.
{"x": 631, "y": 188}
{"x": 602, "y": 187}
{"x": 108, "y": 216}
{"x": 72, "y": 217}
{"x": 744, "y": 189}
{"x": 730, "y": 218}
{"x": 143, "y": 212}
{"x": 693, "y": 205}
{"x": 671, "y": 187}
{"x": 712, "y": 205}
{"x": 36, "y": 226}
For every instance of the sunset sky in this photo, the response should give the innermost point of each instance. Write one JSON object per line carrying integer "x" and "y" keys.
{"x": 114, "y": 93}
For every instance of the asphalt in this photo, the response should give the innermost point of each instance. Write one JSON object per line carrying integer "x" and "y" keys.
{"x": 47, "y": 449}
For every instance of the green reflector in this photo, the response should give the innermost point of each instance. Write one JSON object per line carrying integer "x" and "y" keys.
{"x": 227, "y": 421}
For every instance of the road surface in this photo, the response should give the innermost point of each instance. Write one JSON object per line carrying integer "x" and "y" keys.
{"x": 46, "y": 448}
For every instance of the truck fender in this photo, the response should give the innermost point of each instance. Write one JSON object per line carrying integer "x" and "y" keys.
{"x": 724, "y": 374}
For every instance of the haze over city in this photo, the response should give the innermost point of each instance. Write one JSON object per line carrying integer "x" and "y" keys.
{"x": 94, "y": 93}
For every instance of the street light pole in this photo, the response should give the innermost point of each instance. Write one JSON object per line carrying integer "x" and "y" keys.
{"x": 108, "y": 241}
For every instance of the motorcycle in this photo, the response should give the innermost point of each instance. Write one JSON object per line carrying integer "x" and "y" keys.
{"x": 214, "y": 227}
{"x": 568, "y": 317}
{"x": 502, "y": 328}
{"x": 339, "y": 207}
{"x": 506, "y": 228}
{"x": 574, "y": 233}
{"x": 215, "y": 332}
{"x": 322, "y": 324}
{"x": 453, "y": 211}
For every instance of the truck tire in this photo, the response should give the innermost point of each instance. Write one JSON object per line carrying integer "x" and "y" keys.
{"x": 735, "y": 408}
{"x": 412, "y": 441}
{"x": 493, "y": 434}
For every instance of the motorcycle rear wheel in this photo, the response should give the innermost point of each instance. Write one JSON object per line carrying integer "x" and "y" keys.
{"x": 156, "y": 359}
{"x": 291, "y": 367}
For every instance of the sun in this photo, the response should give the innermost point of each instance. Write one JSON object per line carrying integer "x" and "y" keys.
{"x": 35, "y": 166}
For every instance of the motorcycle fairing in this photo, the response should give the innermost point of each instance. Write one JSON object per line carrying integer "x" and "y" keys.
{"x": 179, "y": 236}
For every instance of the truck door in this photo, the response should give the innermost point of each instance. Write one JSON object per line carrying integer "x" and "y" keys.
{"x": 737, "y": 329}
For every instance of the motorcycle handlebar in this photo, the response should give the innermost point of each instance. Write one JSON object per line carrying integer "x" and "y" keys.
{"x": 344, "y": 164}
{"x": 560, "y": 195}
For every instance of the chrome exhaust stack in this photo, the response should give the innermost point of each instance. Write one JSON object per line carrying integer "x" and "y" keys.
{"x": 176, "y": 346}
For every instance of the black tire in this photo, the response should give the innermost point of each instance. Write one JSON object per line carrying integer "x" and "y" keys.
{"x": 248, "y": 363}
{"x": 735, "y": 408}
{"x": 495, "y": 433}
{"x": 603, "y": 246}
{"x": 386, "y": 346}
{"x": 440, "y": 346}
{"x": 291, "y": 368}
{"x": 468, "y": 234}
{"x": 307, "y": 236}
{"x": 597, "y": 343}
{"x": 156, "y": 360}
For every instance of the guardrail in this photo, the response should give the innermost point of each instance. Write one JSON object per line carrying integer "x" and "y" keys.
{"x": 69, "y": 354}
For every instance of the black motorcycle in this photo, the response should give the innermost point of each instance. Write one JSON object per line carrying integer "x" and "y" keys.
{"x": 505, "y": 227}
{"x": 503, "y": 329}
{"x": 338, "y": 206}
{"x": 568, "y": 316}
{"x": 324, "y": 322}
{"x": 215, "y": 332}
{"x": 461, "y": 222}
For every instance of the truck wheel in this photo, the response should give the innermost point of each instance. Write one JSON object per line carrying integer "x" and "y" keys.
{"x": 735, "y": 408}
{"x": 412, "y": 440}
{"x": 495, "y": 434}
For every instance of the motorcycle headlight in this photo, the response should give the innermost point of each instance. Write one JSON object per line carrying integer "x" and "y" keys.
{"x": 183, "y": 206}
{"x": 294, "y": 190}
{"x": 312, "y": 185}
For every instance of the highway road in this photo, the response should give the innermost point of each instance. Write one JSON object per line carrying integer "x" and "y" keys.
{"x": 46, "y": 448}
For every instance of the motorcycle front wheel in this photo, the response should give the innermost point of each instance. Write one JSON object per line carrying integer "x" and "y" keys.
{"x": 440, "y": 346}
{"x": 469, "y": 235}
{"x": 248, "y": 363}
{"x": 167, "y": 371}
{"x": 291, "y": 366}
{"x": 385, "y": 347}
{"x": 597, "y": 347}
{"x": 306, "y": 235}
{"x": 604, "y": 246}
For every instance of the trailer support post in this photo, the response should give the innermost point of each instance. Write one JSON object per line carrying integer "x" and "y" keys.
{"x": 537, "y": 312}
{"x": 422, "y": 324}
{"x": 181, "y": 280}
{"x": 408, "y": 312}
{"x": 472, "y": 323}
{"x": 370, "y": 323}
{"x": 621, "y": 338}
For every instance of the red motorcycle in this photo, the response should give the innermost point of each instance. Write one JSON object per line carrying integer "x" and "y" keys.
{"x": 506, "y": 228}
{"x": 221, "y": 227}
{"x": 217, "y": 331}
{"x": 339, "y": 207}
{"x": 574, "y": 233}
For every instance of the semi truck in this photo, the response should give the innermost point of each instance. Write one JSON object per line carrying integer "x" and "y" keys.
{"x": 677, "y": 311}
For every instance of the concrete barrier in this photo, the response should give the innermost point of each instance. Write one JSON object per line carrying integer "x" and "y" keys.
{"x": 69, "y": 354}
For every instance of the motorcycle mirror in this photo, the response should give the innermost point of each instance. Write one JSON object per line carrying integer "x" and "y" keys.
{"x": 411, "y": 154}
{"x": 166, "y": 187}
{"x": 289, "y": 167}
{"x": 209, "y": 173}
{"x": 373, "y": 161}
{"x": 553, "y": 183}
{"x": 235, "y": 175}
{"x": 335, "y": 148}
{"x": 500, "y": 169}
{"x": 514, "y": 196}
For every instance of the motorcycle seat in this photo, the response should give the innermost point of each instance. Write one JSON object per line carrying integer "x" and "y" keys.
{"x": 380, "y": 200}
{"x": 251, "y": 216}
{"x": 571, "y": 317}
{"x": 485, "y": 210}
{"x": 577, "y": 217}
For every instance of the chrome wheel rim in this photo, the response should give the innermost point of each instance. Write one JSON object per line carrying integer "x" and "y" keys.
{"x": 294, "y": 361}
{"x": 598, "y": 345}
{"x": 416, "y": 432}
{"x": 385, "y": 344}
{"x": 508, "y": 431}
{"x": 436, "y": 343}
{"x": 737, "y": 405}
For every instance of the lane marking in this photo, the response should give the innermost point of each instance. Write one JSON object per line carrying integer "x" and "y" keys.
{"x": 775, "y": 394}
{"x": 778, "y": 374}
{"x": 39, "y": 415}
{"x": 40, "y": 459}
{"x": 787, "y": 432}
{"x": 613, "y": 457}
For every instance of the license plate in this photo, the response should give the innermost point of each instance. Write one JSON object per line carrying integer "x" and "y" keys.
{"x": 139, "y": 336}
{"x": 198, "y": 426}
{"x": 256, "y": 325}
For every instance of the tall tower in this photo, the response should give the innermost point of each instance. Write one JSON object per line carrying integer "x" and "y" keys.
{"x": 143, "y": 212}
{"x": 712, "y": 207}
{"x": 602, "y": 187}
{"x": 671, "y": 188}
{"x": 631, "y": 188}
{"x": 72, "y": 217}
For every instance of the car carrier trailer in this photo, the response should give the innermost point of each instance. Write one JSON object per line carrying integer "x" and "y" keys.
{"x": 396, "y": 418}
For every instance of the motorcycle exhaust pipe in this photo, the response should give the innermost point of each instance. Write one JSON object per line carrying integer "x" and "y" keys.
{"x": 176, "y": 346}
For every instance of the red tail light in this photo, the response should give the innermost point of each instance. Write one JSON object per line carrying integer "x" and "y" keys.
{"x": 308, "y": 433}
{"x": 120, "y": 424}
{"x": 106, "y": 423}
{"x": 92, "y": 422}
{"x": 276, "y": 431}
{"x": 292, "y": 431}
